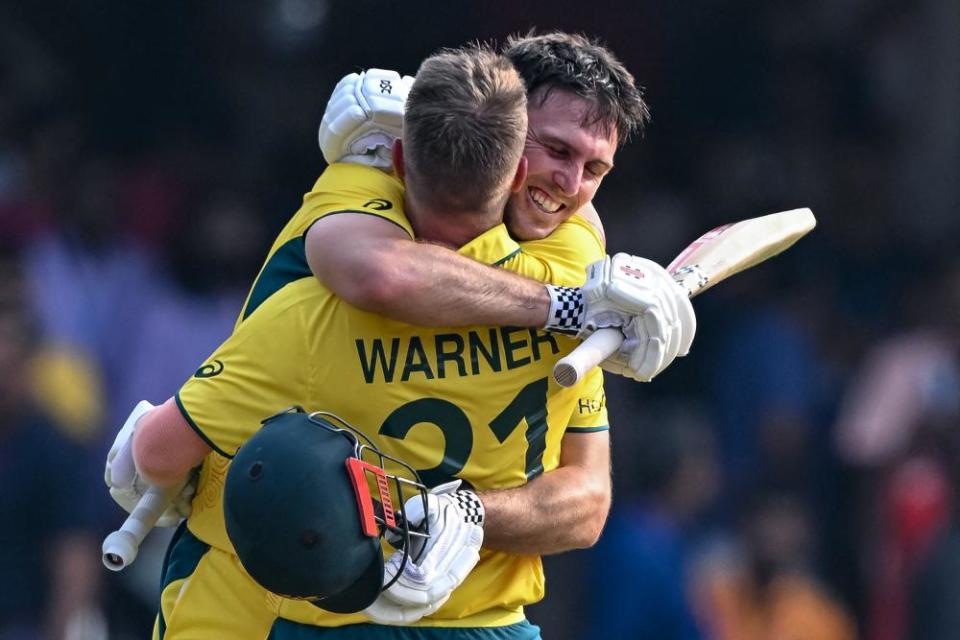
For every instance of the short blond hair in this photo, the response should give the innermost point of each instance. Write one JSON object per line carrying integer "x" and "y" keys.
{"x": 464, "y": 129}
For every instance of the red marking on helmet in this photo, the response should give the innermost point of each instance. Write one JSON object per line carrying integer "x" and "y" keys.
{"x": 383, "y": 487}
{"x": 357, "y": 471}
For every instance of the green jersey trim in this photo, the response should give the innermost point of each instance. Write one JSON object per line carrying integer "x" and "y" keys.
{"x": 604, "y": 427}
{"x": 505, "y": 258}
{"x": 193, "y": 425}
{"x": 287, "y": 264}
{"x": 182, "y": 559}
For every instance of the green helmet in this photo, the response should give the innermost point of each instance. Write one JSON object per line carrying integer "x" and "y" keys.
{"x": 300, "y": 512}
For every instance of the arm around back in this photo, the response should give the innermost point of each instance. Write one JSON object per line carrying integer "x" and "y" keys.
{"x": 374, "y": 265}
{"x": 560, "y": 510}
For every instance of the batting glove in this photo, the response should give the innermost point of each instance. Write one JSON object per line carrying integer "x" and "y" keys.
{"x": 363, "y": 118}
{"x": 439, "y": 564}
{"x": 124, "y": 481}
{"x": 640, "y": 298}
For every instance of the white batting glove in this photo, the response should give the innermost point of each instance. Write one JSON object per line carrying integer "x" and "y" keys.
{"x": 124, "y": 481}
{"x": 653, "y": 339}
{"x": 638, "y": 297}
{"x": 363, "y": 118}
{"x": 455, "y": 520}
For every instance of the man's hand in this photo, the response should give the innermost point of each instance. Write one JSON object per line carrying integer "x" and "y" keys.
{"x": 638, "y": 297}
{"x": 437, "y": 565}
{"x": 122, "y": 478}
{"x": 664, "y": 327}
{"x": 363, "y": 118}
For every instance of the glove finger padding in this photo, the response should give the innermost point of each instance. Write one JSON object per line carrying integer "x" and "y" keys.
{"x": 383, "y": 95}
{"x": 455, "y": 522}
{"x": 120, "y": 469}
{"x": 420, "y": 584}
{"x": 383, "y": 611}
{"x": 641, "y": 356}
{"x": 363, "y": 118}
{"x": 624, "y": 286}
{"x": 453, "y": 551}
{"x": 688, "y": 325}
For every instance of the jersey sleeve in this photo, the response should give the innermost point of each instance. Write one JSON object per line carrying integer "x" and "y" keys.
{"x": 591, "y": 411}
{"x": 260, "y": 370}
{"x": 562, "y": 257}
{"x": 342, "y": 188}
{"x": 353, "y": 188}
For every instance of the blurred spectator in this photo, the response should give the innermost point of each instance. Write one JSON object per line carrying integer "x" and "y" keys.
{"x": 210, "y": 263}
{"x": 88, "y": 284}
{"x": 934, "y": 600}
{"x": 909, "y": 380}
{"x": 763, "y": 388}
{"x": 48, "y": 552}
{"x": 111, "y": 120}
{"x": 890, "y": 429}
{"x": 638, "y": 570}
{"x": 763, "y": 587}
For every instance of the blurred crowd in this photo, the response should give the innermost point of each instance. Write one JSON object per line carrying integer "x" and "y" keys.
{"x": 795, "y": 477}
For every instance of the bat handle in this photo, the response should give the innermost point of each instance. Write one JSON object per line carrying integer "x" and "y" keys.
{"x": 120, "y": 547}
{"x": 600, "y": 345}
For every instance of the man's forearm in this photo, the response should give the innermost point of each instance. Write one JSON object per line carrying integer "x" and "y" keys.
{"x": 434, "y": 286}
{"x": 375, "y": 266}
{"x": 560, "y": 510}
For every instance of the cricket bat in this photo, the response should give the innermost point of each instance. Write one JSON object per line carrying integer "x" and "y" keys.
{"x": 711, "y": 258}
{"x": 120, "y": 548}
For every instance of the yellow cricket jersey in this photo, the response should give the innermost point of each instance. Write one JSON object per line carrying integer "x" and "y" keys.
{"x": 473, "y": 403}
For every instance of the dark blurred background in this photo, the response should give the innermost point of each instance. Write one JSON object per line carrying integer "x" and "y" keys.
{"x": 793, "y": 478}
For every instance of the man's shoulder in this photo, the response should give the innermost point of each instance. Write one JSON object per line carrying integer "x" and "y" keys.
{"x": 352, "y": 188}
{"x": 576, "y": 232}
{"x": 350, "y": 181}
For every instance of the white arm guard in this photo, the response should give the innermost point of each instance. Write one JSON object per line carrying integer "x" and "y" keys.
{"x": 363, "y": 118}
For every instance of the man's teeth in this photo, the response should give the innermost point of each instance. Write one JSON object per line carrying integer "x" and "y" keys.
{"x": 545, "y": 202}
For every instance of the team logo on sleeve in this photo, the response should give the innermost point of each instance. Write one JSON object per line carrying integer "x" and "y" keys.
{"x": 209, "y": 370}
{"x": 378, "y": 204}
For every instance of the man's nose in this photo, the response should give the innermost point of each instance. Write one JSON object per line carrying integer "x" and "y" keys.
{"x": 568, "y": 179}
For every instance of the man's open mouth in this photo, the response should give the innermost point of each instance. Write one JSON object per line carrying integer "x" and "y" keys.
{"x": 543, "y": 200}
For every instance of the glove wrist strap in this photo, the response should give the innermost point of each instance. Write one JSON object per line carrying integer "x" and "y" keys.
{"x": 566, "y": 310}
{"x": 471, "y": 506}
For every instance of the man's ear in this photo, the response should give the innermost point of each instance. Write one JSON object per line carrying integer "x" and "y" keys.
{"x": 518, "y": 178}
{"x": 397, "y": 152}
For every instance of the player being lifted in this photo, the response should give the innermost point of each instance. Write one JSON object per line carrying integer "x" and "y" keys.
{"x": 296, "y": 342}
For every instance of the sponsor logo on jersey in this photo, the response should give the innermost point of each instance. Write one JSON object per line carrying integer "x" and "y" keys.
{"x": 378, "y": 204}
{"x": 591, "y": 405}
{"x": 209, "y": 370}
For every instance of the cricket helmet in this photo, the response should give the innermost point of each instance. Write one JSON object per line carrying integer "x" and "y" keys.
{"x": 301, "y": 515}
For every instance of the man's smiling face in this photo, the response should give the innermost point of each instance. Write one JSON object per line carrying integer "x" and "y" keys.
{"x": 566, "y": 162}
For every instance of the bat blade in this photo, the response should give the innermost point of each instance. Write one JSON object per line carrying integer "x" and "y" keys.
{"x": 711, "y": 258}
{"x": 732, "y": 248}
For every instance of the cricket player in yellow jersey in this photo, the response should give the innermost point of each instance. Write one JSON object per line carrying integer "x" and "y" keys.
{"x": 388, "y": 359}
{"x": 471, "y": 403}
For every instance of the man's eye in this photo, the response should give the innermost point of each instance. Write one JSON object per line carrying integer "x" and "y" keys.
{"x": 596, "y": 172}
